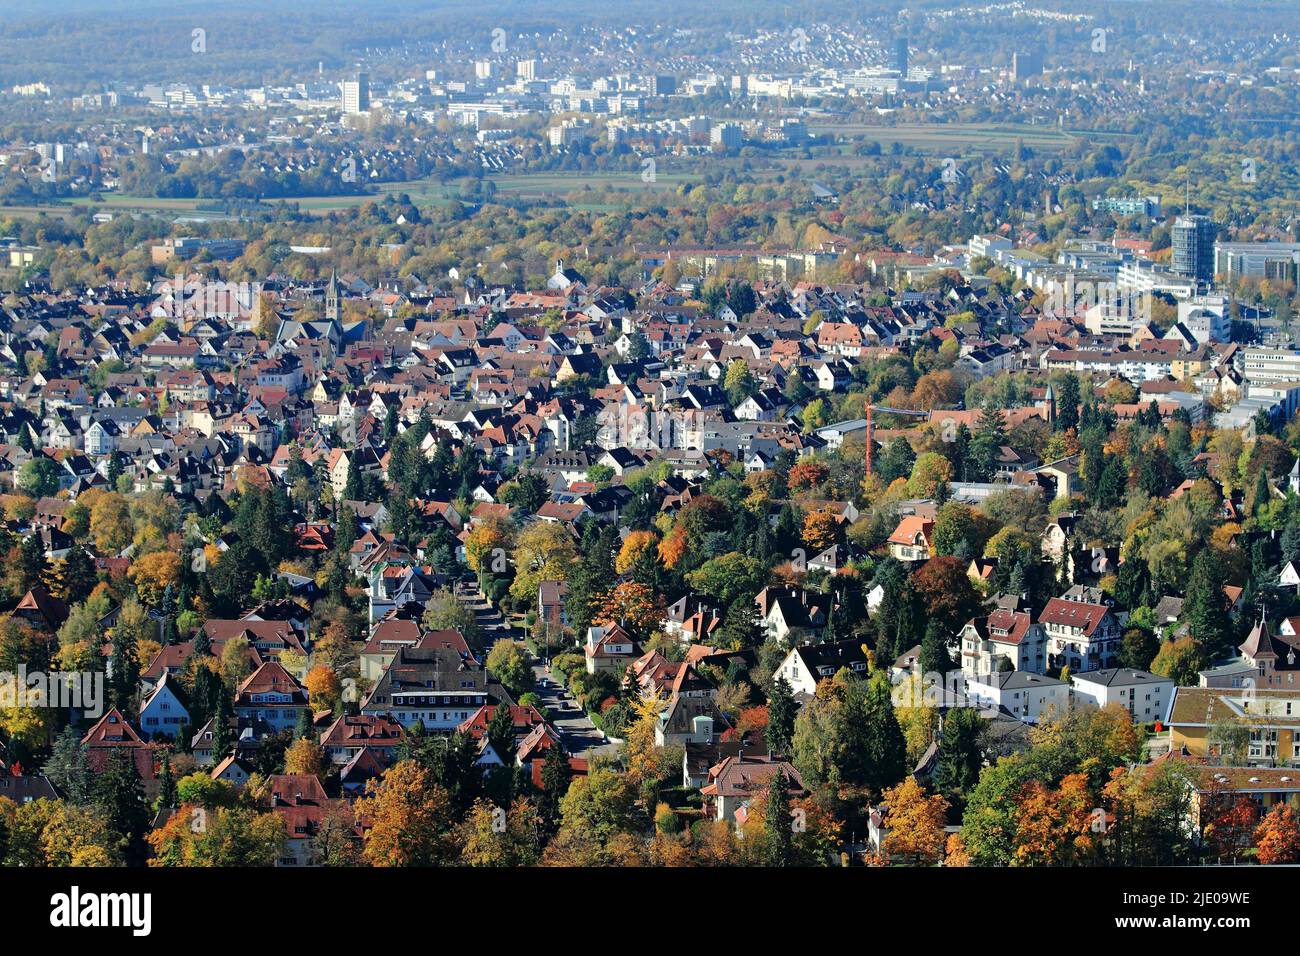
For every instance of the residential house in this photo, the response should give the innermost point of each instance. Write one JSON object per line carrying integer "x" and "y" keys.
{"x": 1145, "y": 696}
{"x": 1026, "y": 696}
{"x": 1080, "y": 635}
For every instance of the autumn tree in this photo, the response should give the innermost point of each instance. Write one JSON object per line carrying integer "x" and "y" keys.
{"x": 821, "y": 529}
{"x": 110, "y": 523}
{"x": 635, "y": 546}
{"x": 1181, "y": 660}
{"x": 544, "y": 551}
{"x": 599, "y": 822}
{"x": 947, "y": 596}
{"x": 407, "y": 817}
{"x": 640, "y": 752}
{"x": 48, "y": 833}
{"x": 930, "y": 476}
{"x": 1231, "y": 831}
{"x": 1055, "y": 827}
{"x": 1277, "y": 838}
{"x": 305, "y": 757}
{"x": 154, "y": 574}
{"x": 224, "y": 837}
{"x": 324, "y": 688}
{"x": 494, "y": 836}
{"x": 914, "y": 822}
{"x": 806, "y": 475}
{"x": 634, "y": 607}
{"x": 486, "y": 546}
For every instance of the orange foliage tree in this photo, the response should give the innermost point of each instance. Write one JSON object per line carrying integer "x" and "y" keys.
{"x": 406, "y": 817}
{"x": 820, "y": 530}
{"x": 673, "y": 547}
{"x": 635, "y": 545}
{"x": 807, "y": 474}
{"x": 1055, "y": 827}
{"x": 1277, "y": 838}
{"x": 634, "y": 607}
{"x": 323, "y": 687}
{"x": 152, "y": 573}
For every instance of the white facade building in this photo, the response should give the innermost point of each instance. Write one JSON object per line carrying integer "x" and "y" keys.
{"x": 1145, "y": 696}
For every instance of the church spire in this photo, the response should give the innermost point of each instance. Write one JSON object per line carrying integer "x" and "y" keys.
{"x": 332, "y": 297}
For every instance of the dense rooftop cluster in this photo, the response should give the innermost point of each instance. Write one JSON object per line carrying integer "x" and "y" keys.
{"x": 484, "y": 564}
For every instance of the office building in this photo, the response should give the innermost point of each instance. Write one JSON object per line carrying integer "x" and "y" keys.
{"x": 1193, "y": 252}
{"x": 1258, "y": 260}
{"x": 1265, "y": 366}
{"x": 663, "y": 85}
{"x": 1148, "y": 206}
{"x": 900, "y": 57}
{"x": 187, "y": 247}
{"x": 356, "y": 94}
{"x": 727, "y": 135}
{"x": 1025, "y": 65}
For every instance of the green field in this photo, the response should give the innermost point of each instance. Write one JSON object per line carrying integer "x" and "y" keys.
{"x": 943, "y": 139}
{"x": 952, "y": 137}
{"x": 527, "y": 186}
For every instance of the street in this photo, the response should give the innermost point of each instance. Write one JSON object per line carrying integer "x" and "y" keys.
{"x": 580, "y": 736}
{"x": 577, "y": 732}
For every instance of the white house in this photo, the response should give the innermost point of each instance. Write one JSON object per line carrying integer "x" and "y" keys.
{"x": 809, "y": 664}
{"x": 162, "y": 714}
{"x": 1290, "y": 576}
{"x": 1021, "y": 694}
{"x": 1145, "y": 696}
{"x": 608, "y": 649}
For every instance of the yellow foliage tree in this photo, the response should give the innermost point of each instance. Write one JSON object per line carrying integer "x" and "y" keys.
{"x": 406, "y": 816}
{"x": 914, "y": 822}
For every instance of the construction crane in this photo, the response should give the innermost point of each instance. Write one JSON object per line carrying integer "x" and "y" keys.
{"x": 871, "y": 432}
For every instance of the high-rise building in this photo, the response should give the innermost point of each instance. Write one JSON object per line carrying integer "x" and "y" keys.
{"x": 483, "y": 69}
{"x": 526, "y": 69}
{"x": 1193, "y": 247}
{"x": 663, "y": 85}
{"x": 356, "y": 94}
{"x": 900, "y": 56}
{"x": 727, "y": 135}
{"x": 1026, "y": 64}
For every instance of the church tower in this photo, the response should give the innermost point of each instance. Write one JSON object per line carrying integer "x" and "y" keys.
{"x": 332, "y": 298}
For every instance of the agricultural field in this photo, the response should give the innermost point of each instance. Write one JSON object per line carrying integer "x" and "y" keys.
{"x": 951, "y": 137}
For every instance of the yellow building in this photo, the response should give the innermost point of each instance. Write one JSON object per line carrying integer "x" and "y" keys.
{"x": 1271, "y": 718}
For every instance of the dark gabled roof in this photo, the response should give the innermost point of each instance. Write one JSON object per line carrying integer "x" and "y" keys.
{"x": 833, "y": 654}
{"x": 1117, "y": 676}
{"x": 1014, "y": 680}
